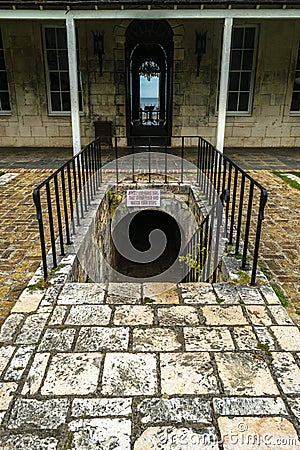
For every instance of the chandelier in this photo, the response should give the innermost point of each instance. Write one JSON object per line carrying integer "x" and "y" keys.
{"x": 149, "y": 69}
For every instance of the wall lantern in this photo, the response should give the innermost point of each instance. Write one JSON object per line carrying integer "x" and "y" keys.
{"x": 99, "y": 48}
{"x": 200, "y": 48}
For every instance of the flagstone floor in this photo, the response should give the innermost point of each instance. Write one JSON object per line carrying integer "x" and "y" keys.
{"x": 130, "y": 366}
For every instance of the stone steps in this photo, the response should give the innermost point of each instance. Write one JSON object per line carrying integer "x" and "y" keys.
{"x": 152, "y": 365}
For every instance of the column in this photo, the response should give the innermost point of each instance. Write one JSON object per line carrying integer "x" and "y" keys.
{"x": 73, "y": 77}
{"x": 224, "y": 77}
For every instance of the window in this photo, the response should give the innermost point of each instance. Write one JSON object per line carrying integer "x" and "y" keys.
{"x": 295, "y": 105}
{"x": 242, "y": 70}
{"x": 58, "y": 71}
{"x": 4, "y": 93}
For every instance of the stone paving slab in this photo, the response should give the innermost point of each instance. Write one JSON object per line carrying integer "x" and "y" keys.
{"x": 96, "y": 368}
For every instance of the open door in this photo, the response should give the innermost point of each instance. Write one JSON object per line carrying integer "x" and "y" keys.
{"x": 149, "y": 62}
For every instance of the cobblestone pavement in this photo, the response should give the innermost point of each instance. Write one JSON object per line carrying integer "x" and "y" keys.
{"x": 280, "y": 242}
{"x": 19, "y": 238}
{"x": 130, "y": 366}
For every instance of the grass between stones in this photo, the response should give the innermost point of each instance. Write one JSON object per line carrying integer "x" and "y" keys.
{"x": 288, "y": 180}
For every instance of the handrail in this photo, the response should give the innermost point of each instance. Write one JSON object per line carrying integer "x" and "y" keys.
{"x": 64, "y": 197}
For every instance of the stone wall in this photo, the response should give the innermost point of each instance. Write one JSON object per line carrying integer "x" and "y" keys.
{"x": 194, "y": 98}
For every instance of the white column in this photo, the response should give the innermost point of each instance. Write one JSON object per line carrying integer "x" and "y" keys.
{"x": 224, "y": 77}
{"x": 73, "y": 77}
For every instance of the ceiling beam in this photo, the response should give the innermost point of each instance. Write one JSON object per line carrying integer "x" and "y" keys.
{"x": 119, "y": 14}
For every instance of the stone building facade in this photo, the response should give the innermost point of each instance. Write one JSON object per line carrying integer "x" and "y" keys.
{"x": 268, "y": 117}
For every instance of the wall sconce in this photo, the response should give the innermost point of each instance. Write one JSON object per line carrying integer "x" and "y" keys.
{"x": 200, "y": 48}
{"x": 99, "y": 48}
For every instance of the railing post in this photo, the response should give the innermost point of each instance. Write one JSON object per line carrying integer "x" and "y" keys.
{"x": 39, "y": 216}
{"x": 262, "y": 204}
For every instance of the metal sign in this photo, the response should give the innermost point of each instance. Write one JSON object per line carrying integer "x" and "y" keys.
{"x": 143, "y": 197}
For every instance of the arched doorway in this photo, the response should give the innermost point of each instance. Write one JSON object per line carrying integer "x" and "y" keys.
{"x": 149, "y": 63}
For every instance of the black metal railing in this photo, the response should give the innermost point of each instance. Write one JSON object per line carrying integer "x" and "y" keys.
{"x": 63, "y": 199}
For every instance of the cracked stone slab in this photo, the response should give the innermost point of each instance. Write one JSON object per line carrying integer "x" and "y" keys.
{"x": 58, "y": 340}
{"x": 5, "y": 355}
{"x": 270, "y": 432}
{"x": 10, "y": 327}
{"x": 134, "y": 315}
{"x": 171, "y": 438}
{"x": 224, "y": 315}
{"x": 294, "y": 403}
{"x": 161, "y": 293}
{"x": 242, "y": 406}
{"x": 43, "y": 414}
{"x": 72, "y": 374}
{"x": 101, "y": 434}
{"x": 249, "y": 295}
{"x": 287, "y": 372}
{"x": 6, "y": 394}
{"x": 32, "y": 329}
{"x": 99, "y": 407}
{"x": 280, "y": 315}
{"x": 258, "y": 315}
{"x": 180, "y": 410}
{"x": 198, "y": 293}
{"x": 178, "y": 316}
{"x": 207, "y": 339}
{"x": 27, "y": 441}
{"x": 269, "y": 294}
{"x": 89, "y": 315}
{"x": 129, "y": 374}
{"x": 82, "y": 293}
{"x": 265, "y": 337}
{"x": 242, "y": 374}
{"x": 103, "y": 338}
{"x": 155, "y": 340}
{"x": 245, "y": 338}
{"x": 127, "y": 293}
{"x": 36, "y": 373}
{"x": 188, "y": 373}
{"x": 227, "y": 292}
{"x": 18, "y": 363}
{"x": 288, "y": 337}
{"x": 58, "y": 315}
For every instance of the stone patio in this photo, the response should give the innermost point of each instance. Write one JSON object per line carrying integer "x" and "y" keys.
{"x": 93, "y": 366}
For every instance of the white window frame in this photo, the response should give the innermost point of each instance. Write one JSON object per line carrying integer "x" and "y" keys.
{"x": 253, "y": 74}
{"x": 5, "y": 112}
{"x": 295, "y": 113}
{"x": 47, "y": 75}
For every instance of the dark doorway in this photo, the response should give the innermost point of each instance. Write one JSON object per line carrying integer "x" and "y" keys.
{"x": 149, "y": 63}
{"x": 140, "y": 228}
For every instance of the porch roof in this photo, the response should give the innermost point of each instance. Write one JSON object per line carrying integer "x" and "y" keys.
{"x": 164, "y": 3}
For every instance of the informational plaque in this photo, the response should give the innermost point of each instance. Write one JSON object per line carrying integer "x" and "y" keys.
{"x": 143, "y": 197}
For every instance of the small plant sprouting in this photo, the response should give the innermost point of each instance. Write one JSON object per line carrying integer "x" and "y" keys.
{"x": 40, "y": 285}
{"x": 148, "y": 300}
{"x": 265, "y": 271}
{"x": 243, "y": 277}
{"x": 280, "y": 294}
{"x": 220, "y": 300}
{"x": 297, "y": 311}
{"x": 266, "y": 349}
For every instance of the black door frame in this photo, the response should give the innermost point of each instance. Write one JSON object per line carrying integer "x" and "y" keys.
{"x": 149, "y": 32}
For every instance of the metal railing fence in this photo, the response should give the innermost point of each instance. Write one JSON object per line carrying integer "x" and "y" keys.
{"x": 63, "y": 199}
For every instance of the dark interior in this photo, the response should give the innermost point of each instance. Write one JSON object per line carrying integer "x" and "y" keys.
{"x": 140, "y": 227}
